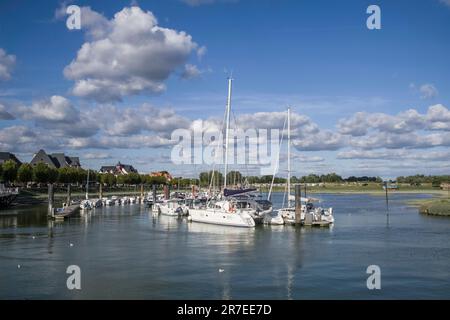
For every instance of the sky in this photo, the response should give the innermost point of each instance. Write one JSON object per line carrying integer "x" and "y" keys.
{"x": 364, "y": 102}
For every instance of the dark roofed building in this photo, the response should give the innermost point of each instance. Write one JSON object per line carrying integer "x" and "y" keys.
{"x": 5, "y": 156}
{"x": 55, "y": 160}
{"x": 118, "y": 169}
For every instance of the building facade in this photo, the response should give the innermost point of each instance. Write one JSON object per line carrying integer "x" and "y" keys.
{"x": 55, "y": 160}
{"x": 5, "y": 156}
{"x": 118, "y": 169}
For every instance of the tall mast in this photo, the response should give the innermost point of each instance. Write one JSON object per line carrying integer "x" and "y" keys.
{"x": 289, "y": 156}
{"x": 227, "y": 130}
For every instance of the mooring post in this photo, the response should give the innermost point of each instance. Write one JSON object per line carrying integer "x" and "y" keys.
{"x": 298, "y": 205}
{"x": 142, "y": 192}
{"x": 154, "y": 194}
{"x": 69, "y": 194}
{"x": 305, "y": 189}
{"x": 100, "y": 190}
{"x": 51, "y": 198}
{"x": 387, "y": 201}
{"x": 166, "y": 192}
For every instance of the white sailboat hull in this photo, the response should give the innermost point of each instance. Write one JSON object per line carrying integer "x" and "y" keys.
{"x": 221, "y": 218}
{"x": 273, "y": 218}
{"x": 168, "y": 211}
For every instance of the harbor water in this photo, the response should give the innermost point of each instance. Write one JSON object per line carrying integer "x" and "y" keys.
{"x": 124, "y": 252}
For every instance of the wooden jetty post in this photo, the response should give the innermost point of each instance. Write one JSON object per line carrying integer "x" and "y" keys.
{"x": 100, "y": 190}
{"x": 166, "y": 192}
{"x": 387, "y": 202}
{"x": 51, "y": 199}
{"x": 153, "y": 196}
{"x": 298, "y": 205}
{"x": 69, "y": 194}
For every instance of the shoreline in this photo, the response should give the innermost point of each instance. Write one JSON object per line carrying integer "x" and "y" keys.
{"x": 29, "y": 198}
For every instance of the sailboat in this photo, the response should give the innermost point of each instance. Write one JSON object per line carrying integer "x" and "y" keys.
{"x": 89, "y": 204}
{"x": 225, "y": 211}
{"x": 310, "y": 214}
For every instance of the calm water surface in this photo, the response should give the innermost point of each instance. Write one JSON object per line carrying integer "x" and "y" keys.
{"x": 126, "y": 253}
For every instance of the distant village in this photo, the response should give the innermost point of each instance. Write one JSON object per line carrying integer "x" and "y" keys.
{"x": 60, "y": 168}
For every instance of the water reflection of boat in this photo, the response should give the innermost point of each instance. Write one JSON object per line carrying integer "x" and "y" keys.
{"x": 236, "y": 234}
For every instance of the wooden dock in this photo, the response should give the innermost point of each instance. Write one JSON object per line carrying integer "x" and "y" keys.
{"x": 7, "y": 196}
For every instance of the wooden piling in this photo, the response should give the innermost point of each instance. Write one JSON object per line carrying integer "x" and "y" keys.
{"x": 142, "y": 192}
{"x": 166, "y": 192}
{"x": 100, "y": 190}
{"x": 51, "y": 199}
{"x": 298, "y": 205}
{"x": 69, "y": 195}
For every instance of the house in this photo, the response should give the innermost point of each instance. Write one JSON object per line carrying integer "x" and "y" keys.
{"x": 5, "y": 156}
{"x": 445, "y": 186}
{"x": 164, "y": 174}
{"x": 55, "y": 160}
{"x": 118, "y": 169}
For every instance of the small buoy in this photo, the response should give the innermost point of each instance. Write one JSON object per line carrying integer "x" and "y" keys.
{"x": 221, "y": 270}
{"x": 71, "y": 244}
{"x": 34, "y": 237}
{"x": 189, "y": 218}
{"x": 18, "y": 266}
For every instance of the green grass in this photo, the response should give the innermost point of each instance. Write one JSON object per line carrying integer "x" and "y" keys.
{"x": 437, "y": 207}
{"x": 370, "y": 188}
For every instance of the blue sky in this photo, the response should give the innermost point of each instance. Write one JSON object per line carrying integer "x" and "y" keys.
{"x": 354, "y": 85}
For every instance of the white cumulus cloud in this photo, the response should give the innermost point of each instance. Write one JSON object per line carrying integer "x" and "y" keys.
{"x": 7, "y": 63}
{"x": 428, "y": 91}
{"x": 127, "y": 55}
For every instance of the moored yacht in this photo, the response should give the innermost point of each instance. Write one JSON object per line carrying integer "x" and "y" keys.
{"x": 171, "y": 207}
{"x": 223, "y": 212}
{"x": 309, "y": 214}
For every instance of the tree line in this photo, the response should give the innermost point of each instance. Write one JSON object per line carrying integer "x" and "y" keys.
{"x": 10, "y": 172}
{"x": 420, "y": 178}
{"x": 235, "y": 177}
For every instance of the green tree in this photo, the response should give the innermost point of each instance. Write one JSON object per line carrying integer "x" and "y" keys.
{"x": 234, "y": 177}
{"x": 41, "y": 173}
{"x": 205, "y": 178}
{"x": 122, "y": 179}
{"x": 65, "y": 175}
{"x": 52, "y": 175}
{"x": 134, "y": 178}
{"x": 108, "y": 179}
{"x": 156, "y": 180}
{"x": 25, "y": 173}
{"x": 9, "y": 171}
{"x": 1, "y": 172}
